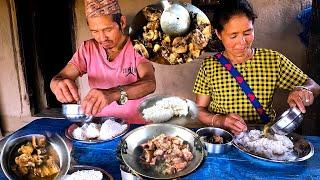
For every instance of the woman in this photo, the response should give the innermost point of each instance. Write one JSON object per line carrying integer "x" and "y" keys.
{"x": 222, "y": 102}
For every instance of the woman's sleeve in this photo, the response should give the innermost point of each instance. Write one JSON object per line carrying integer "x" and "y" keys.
{"x": 290, "y": 75}
{"x": 202, "y": 83}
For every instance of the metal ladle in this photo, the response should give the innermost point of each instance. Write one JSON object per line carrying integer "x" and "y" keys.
{"x": 175, "y": 19}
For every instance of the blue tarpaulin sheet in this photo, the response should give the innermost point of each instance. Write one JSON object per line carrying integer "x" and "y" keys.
{"x": 304, "y": 18}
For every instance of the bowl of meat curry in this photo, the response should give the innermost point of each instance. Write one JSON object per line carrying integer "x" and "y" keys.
{"x": 35, "y": 156}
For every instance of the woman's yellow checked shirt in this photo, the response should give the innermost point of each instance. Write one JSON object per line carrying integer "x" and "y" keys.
{"x": 265, "y": 72}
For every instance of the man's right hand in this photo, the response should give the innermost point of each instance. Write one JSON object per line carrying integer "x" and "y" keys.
{"x": 65, "y": 90}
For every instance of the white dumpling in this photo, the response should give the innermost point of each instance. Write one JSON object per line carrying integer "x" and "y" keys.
{"x": 78, "y": 134}
{"x": 92, "y": 131}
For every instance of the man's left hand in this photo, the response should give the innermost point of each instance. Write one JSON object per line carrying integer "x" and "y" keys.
{"x": 97, "y": 99}
{"x": 300, "y": 97}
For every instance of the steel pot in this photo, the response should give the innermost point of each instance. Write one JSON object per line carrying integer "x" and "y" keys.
{"x": 131, "y": 152}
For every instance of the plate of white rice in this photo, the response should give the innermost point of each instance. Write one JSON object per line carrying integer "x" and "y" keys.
{"x": 84, "y": 172}
{"x": 273, "y": 147}
{"x": 158, "y": 109}
{"x": 100, "y": 129}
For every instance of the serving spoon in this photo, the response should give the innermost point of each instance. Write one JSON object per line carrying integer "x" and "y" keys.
{"x": 175, "y": 19}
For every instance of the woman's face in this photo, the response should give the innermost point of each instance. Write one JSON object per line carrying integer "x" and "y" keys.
{"x": 237, "y": 35}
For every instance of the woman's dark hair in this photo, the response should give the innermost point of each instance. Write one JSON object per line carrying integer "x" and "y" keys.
{"x": 228, "y": 8}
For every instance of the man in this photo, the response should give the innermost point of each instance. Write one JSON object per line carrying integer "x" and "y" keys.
{"x": 118, "y": 76}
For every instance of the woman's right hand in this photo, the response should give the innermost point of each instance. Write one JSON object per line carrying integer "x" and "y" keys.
{"x": 233, "y": 122}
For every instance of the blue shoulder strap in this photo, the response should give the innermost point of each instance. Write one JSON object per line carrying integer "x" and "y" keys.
{"x": 244, "y": 86}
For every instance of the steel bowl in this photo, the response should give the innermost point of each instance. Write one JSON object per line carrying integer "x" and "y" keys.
{"x": 73, "y": 112}
{"x": 216, "y": 148}
{"x": 288, "y": 121}
{"x": 131, "y": 151}
{"x": 54, "y": 141}
{"x": 126, "y": 174}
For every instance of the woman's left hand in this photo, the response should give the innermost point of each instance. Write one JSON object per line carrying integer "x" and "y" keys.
{"x": 300, "y": 97}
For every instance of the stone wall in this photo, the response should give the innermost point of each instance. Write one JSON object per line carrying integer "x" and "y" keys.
{"x": 14, "y": 103}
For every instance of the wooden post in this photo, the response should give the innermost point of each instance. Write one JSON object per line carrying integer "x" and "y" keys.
{"x": 311, "y": 122}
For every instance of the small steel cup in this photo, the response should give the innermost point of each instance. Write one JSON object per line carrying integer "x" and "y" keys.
{"x": 126, "y": 175}
{"x": 216, "y": 148}
{"x": 287, "y": 122}
{"x": 73, "y": 112}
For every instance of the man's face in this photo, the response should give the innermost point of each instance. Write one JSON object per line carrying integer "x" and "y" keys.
{"x": 105, "y": 31}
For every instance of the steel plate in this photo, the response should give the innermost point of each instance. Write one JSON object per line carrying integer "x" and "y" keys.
{"x": 97, "y": 120}
{"x": 131, "y": 150}
{"x": 182, "y": 120}
{"x": 302, "y": 148}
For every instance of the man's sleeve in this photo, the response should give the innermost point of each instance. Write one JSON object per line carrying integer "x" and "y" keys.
{"x": 139, "y": 58}
{"x": 79, "y": 59}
